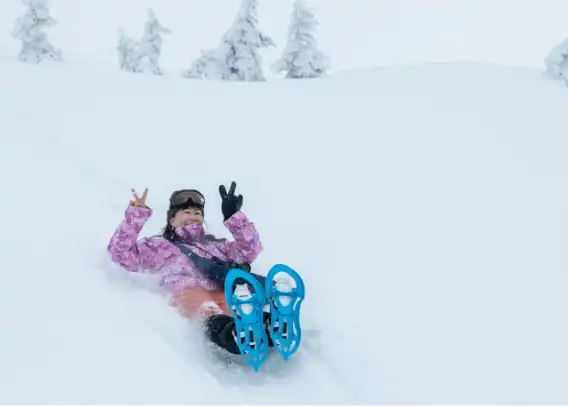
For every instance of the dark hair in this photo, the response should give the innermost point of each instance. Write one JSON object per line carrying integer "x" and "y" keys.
{"x": 168, "y": 232}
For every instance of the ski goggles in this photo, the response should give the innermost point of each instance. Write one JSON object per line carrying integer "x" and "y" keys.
{"x": 187, "y": 196}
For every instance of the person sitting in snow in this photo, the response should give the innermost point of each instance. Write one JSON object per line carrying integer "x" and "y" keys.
{"x": 191, "y": 264}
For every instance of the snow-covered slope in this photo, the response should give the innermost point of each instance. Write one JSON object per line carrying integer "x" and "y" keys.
{"x": 424, "y": 205}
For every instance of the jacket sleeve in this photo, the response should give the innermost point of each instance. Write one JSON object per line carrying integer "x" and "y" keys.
{"x": 124, "y": 249}
{"x": 247, "y": 246}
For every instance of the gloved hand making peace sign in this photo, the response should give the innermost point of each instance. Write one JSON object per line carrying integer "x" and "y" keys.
{"x": 230, "y": 203}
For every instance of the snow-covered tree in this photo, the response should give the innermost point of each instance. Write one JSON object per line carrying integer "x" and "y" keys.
{"x": 302, "y": 57}
{"x": 238, "y": 55}
{"x": 207, "y": 66}
{"x": 556, "y": 62}
{"x": 143, "y": 55}
{"x": 150, "y": 47}
{"x": 29, "y": 29}
{"x": 128, "y": 54}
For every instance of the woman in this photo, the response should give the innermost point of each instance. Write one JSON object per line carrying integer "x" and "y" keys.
{"x": 184, "y": 255}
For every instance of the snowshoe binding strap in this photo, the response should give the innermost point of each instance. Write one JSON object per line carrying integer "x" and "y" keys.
{"x": 247, "y": 310}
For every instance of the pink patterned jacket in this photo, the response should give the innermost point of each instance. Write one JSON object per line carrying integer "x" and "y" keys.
{"x": 159, "y": 256}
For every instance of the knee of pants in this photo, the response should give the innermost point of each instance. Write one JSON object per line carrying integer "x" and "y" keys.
{"x": 219, "y": 329}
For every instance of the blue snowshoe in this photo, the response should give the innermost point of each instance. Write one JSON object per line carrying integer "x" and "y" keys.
{"x": 285, "y": 301}
{"x": 247, "y": 309}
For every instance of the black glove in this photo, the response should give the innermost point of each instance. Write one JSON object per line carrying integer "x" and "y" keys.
{"x": 231, "y": 203}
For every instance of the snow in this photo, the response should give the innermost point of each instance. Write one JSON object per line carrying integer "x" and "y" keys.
{"x": 424, "y": 204}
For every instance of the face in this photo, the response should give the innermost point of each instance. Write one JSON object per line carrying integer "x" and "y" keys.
{"x": 191, "y": 215}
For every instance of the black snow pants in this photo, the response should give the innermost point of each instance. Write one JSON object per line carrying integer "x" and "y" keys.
{"x": 220, "y": 329}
